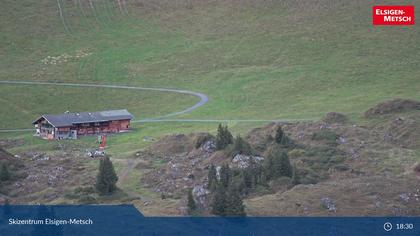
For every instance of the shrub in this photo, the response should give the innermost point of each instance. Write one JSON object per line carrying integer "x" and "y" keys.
{"x": 342, "y": 167}
{"x": 84, "y": 190}
{"x": 192, "y": 206}
{"x": 201, "y": 139}
{"x": 295, "y": 176}
{"x": 326, "y": 135}
{"x": 212, "y": 178}
{"x": 4, "y": 172}
{"x": 87, "y": 199}
{"x": 296, "y": 153}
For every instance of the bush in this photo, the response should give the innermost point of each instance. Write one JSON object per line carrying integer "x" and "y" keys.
{"x": 212, "y": 178}
{"x": 296, "y": 153}
{"x": 342, "y": 167}
{"x": 84, "y": 190}
{"x": 201, "y": 139}
{"x": 326, "y": 135}
{"x": 282, "y": 183}
{"x": 4, "y": 172}
{"x": 192, "y": 206}
{"x": 87, "y": 199}
{"x": 309, "y": 177}
{"x": 295, "y": 176}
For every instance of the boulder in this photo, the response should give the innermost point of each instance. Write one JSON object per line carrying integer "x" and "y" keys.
{"x": 241, "y": 161}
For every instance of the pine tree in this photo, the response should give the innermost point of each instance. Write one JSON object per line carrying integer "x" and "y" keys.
{"x": 192, "y": 206}
{"x": 284, "y": 167}
{"x": 281, "y": 138}
{"x": 212, "y": 178}
{"x": 268, "y": 163}
{"x": 4, "y": 172}
{"x": 234, "y": 204}
{"x": 277, "y": 164}
{"x": 106, "y": 179}
{"x": 225, "y": 176}
{"x": 228, "y": 136}
{"x": 241, "y": 146}
{"x": 218, "y": 203}
{"x": 223, "y": 138}
{"x": 247, "y": 178}
{"x": 220, "y": 138}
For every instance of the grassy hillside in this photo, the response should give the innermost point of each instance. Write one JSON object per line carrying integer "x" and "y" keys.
{"x": 294, "y": 59}
{"x": 289, "y": 59}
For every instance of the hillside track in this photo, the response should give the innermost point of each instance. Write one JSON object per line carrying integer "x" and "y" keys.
{"x": 165, "y": 118}
{"x": 203, "y": 98}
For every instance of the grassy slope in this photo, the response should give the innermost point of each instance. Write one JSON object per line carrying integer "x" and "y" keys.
{"x": 294, "y": 59}
{"x": 287, "y": 60}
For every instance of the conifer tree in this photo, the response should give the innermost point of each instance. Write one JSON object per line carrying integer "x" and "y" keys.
{"x": 282, "y": 164}
{"x": 106, "y": 179}
{"x": 279, "y": 136}
{"x": 192, "y": 206}
{"x": 212, "y": 178}
{"x": 225, "y": 176}
{"x": 247, "y": 178}
{"x": 223, "y": 138}
{"x": 228, "y": 136}
{"x": 234, "y": 204}
{"x": 241, "y": 146}
{"x": 219, "y": 203}
{"x": 4, "y": 172}
{"x": 268, "y": 163}
{"x": 277, "y": 163}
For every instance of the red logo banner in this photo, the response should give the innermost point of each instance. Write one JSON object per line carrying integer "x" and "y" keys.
{"x": 393, "y": 15}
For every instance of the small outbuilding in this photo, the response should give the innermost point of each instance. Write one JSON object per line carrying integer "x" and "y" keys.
{"x": 70, "y": 125}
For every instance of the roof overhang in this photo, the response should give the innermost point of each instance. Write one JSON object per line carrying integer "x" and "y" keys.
{"x": 43, "y": 117}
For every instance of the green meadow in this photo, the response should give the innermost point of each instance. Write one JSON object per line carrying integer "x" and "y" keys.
{"x": 277, "y": 60}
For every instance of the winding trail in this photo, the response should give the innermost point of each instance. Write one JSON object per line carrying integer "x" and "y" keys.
{"x": 203, "y": 98}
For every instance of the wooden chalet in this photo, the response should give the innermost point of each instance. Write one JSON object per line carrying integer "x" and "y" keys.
{"x": 71, "y": 125}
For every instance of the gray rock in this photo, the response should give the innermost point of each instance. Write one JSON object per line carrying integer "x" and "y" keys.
{"x": 328, "y": 204}
{"x": 218, "y": 168}
{"x": 209, "y": 146}
{"x": 243, "y": 161}
{"x": 404, "y": 197}
{"x": 200, "y": 194}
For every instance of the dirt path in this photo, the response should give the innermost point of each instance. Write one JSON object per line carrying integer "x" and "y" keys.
{"x": 123, "y": 176}
{"x": 203, "y": 98}
{"x": 129, "y": 166}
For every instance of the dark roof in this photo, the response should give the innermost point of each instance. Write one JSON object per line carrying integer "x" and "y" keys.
{"x": 68, "y": 119}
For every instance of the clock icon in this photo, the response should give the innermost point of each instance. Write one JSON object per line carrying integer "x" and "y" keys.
{"x": 387, "y": 226}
